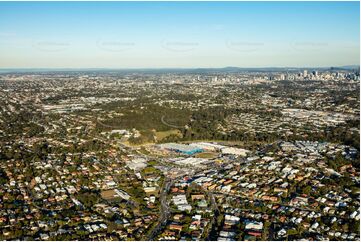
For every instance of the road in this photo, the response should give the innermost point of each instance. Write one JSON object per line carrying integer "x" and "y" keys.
{"x": 164, "y": 210}
{"x": 170, "y": 125}
{"x": 106, "y": 125}
{"x": 213, "y": 227}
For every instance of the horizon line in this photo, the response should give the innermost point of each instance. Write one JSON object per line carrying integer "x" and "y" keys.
{"x": 180, "y": 68}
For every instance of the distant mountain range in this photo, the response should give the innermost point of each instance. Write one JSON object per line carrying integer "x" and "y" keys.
{"x": 229, "y": 69}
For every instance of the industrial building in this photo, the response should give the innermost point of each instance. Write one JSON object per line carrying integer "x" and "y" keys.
{"x": 181, "y": 148}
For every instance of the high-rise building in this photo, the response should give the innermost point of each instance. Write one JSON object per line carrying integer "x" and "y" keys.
{"x": 304, "y": 73}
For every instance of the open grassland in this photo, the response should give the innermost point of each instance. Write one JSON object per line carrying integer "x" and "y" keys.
{"x": 163, "y": 134}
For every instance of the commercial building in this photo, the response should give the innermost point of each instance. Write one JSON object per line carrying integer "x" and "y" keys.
{"x": 181, "y": 148}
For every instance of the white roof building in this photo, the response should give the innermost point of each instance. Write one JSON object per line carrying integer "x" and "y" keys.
{"x": 234, "y": 151}
{"x": 253, "y": 225}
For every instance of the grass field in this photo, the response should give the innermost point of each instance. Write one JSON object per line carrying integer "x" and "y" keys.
{"x": 163, "y": 134}
{"x": 207, "y": 155}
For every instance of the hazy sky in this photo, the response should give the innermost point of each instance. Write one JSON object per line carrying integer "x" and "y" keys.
{"x": 185, "y": 34}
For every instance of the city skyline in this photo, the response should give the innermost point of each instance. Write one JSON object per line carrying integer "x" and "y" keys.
{"x": 121, "y": 35}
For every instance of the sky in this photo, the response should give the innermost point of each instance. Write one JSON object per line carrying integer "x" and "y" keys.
{"x": 178, "y": 34}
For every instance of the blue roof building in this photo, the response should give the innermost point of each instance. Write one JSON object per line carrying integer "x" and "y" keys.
{"x": 181, "y": 148}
